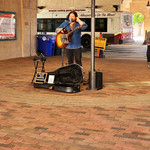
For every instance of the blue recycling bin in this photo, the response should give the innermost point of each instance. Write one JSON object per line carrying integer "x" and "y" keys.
{"x": 46, "y": 44}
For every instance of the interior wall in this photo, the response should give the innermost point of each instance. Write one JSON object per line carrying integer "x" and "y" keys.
{"x": 29, "y": 27}
{"x": 25, "y": 44}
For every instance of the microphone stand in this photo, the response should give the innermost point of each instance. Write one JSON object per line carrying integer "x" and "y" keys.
{"x": 63, "y": 41}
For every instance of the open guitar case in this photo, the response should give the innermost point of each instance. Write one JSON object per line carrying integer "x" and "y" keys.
{"x": 65, "y": 79}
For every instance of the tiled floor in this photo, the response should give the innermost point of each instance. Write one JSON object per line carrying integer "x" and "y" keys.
{"x": 116, "y": 117}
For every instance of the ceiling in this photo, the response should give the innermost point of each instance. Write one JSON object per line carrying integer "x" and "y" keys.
{"x": 126, "y": 4}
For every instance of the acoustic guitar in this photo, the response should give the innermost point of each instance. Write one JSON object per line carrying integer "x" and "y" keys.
{"x": 63, "y": 39}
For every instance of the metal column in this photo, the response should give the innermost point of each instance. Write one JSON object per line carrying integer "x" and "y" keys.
{"x": 92, "y": 72}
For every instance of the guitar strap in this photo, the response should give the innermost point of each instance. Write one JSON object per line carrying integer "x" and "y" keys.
{"x": 73, "y": 26}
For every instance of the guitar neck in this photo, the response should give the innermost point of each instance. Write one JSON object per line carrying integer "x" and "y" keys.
{"x": 74, "y": 30}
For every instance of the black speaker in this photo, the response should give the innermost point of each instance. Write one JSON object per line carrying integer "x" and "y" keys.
{"x": 98, "y": 80}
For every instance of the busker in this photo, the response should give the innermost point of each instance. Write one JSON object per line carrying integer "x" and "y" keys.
{"x": 73, "y": 49}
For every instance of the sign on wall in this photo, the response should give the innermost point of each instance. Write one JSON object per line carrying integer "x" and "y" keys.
{"x": 7, "y": 25}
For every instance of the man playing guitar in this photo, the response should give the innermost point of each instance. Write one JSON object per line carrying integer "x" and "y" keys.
{"x": 73, "y": 26}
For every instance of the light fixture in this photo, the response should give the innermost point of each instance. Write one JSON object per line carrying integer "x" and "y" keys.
{"x": 148, "y": 5}
{"x": 116, "y": 7}
{"x": 41, "y": 7}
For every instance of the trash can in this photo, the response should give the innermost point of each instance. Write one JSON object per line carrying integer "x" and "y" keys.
{"x": 46, "y": 44}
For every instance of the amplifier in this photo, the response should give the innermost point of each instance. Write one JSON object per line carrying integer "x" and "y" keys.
{"x": 98, "y": 80}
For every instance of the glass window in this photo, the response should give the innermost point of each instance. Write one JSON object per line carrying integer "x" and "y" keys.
{"x": 50, "y": 25}
{"x": 101, "y": 25}
{"x": 41, "y": 25}
{"x": 127, "y": 20}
